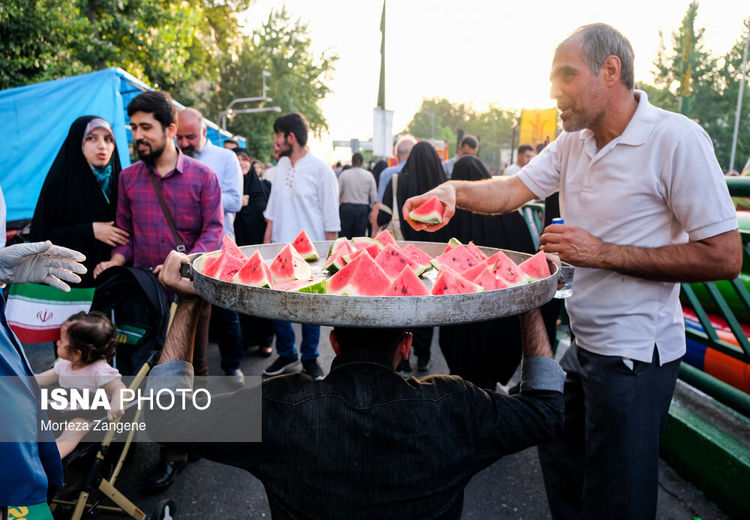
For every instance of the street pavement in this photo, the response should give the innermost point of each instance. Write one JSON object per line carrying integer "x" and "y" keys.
{"x": 512, "y": 488}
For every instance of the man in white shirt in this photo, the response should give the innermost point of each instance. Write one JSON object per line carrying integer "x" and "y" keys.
{"x": 305, "y": 195}
{"x": 645, "y": 206}
{"x": 192, "y": 140}
{"x": 523, "y": 157}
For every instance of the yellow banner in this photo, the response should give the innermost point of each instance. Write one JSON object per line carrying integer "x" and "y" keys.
{"x": 537, "y": 126}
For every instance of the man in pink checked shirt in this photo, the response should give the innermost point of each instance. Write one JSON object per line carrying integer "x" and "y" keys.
{"x": 193, "y": 197}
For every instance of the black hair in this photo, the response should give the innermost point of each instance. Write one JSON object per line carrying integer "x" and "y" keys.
{"x": 157, "y": 103}
{"x": 92, "y": 335}
{"x": 293, "y": 123}
{"x": 525, "y": 148}
{"x": 369, "y": 339}
{"x": 242, "y": 151}
{"x": 357, "y": 159}
{"x": 468, "y": 140}
{"x": 540, "y": 147}
{"x": 231, "y": 141}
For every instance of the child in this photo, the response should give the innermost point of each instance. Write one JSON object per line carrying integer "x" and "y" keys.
{"x": 85, "y": 347}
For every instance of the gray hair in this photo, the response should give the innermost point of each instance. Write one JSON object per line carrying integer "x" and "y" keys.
{"x": 600, "y": 41}
{"x": 405, "y": 144}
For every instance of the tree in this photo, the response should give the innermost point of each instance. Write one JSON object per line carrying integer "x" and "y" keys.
{"x": 170, "y": 44}
{"x": 298, "y": 80}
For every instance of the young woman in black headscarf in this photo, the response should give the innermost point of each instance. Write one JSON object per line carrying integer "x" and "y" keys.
{"x": 422, "y": 172}
{"x": 486, "y": 352}
{"x": 76, "y": 207}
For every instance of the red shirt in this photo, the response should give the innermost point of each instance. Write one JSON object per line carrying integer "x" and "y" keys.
{"x": 192, "y": 194}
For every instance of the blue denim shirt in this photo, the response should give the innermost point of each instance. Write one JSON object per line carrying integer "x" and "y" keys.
{"x": 26, "y": 467}
{"x": 367, "y": 443}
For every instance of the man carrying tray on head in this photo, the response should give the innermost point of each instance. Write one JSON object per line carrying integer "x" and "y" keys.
{"x": 364, "y": 442}
{"x": 645, "y": 206}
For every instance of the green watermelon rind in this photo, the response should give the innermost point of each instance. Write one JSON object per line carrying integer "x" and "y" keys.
{"x": 311, "y": 254}
{"x": 433, "y": 217}
{"x": 315, "y": 286}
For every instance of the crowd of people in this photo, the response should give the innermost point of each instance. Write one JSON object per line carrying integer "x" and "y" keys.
{"x": 645, "y": 206}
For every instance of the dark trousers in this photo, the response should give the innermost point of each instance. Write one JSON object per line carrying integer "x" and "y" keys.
{"x": 354, "y": 219}
{"x": 225, "y": 325}
{"x": 606, "y": 463}
{"x": 256, "y": 331}
{"x": 422, "y": 340}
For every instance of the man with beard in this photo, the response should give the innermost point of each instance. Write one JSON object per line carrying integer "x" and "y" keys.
{"x": 192, "y": 196}
{"x": 305, "y": 196}
{"x": 192, "y": 141}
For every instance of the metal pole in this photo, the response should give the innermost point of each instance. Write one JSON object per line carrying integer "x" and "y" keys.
{"x": 739, "y": 103}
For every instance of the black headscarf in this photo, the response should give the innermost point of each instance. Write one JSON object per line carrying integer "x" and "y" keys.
{"x": 377, "y": 169}
{"x": 72, "y": 199}
{"x": 422, "y": 172}
{"x": 250, "y": 225}
{"x": 486, "y": 352}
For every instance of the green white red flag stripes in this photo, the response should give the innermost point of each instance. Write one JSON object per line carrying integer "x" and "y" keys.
{"x": 35, "y": 312}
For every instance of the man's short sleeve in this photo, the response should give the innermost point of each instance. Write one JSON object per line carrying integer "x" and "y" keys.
{"x": 697, "y": 192}
{"x": 542, "y": 174}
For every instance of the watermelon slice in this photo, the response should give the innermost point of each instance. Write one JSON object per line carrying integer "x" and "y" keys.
{"x": 393, "y": 261}
{"x": 385, "y": 238}
{"x": 255, "y": 272}
{"x": 430, "y": 212}
{"x": 450, "y": 282}
{"x": 453, "y": 242}
{"x": 473, "y": 272}
{"x": 339, "y": 243}
{"x": 422, "y": 261}
{"x": 226, "y": 267}
{"x": 370, "y": 245}
{"x": 475, "y": 251}
{"x": 407, "y": 283}
{"x": 535, "y": 267}
{"x": 316, "y": 285}
{"x": 305, "y": 247}
{"x": 289, "y": 265}
{"x": 210, "y": 264}
{"x": 458, "y": 259}
{"x": 505, "y": 268}
{"x": 229, "y": 247}
{"x": 354, "y": 254}
{"x": 488, "y": 280}
{"x": 361, "y": 277}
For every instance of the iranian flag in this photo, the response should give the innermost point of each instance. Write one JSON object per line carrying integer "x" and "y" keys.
{"x": 35, "y": 312}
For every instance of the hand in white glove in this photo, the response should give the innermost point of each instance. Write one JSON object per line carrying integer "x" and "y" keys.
{"x": 41, "y": 262}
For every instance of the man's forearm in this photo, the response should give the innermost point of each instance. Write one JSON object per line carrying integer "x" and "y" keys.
{"x": 716, "y": 258}
{"x": 179, "y": 343}
{"x": 534, "y": 335}
{"x": 267, "y": 236}
{"x": 491, "y": 196}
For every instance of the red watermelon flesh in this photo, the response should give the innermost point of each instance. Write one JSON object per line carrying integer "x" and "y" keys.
{"x": 305, "y": 247}
{"x": 475, "y": 251}
{"x": 361, "y": 277}
{"x": 473, "y": 272}
{"x": 488, "y": 280}
{"x": 458, "y": 259}
{"x": 450, "y": 282}
{"x": 385, "y": 238}
{"x": 289, "y": 265}
{"x": 506, "y": 269}
{"x": 227, "y": 266}
{"x": 211, "y": 265}
{"x": 393, "y": 261}
{"x": 536, "y": 267}
{"x": 453, "y": 242}
{"x": 338, "y": 244}
{"x": 370, "y": 245}
{"x": 407, "y": 283}
{"x": 421, "y": 259}
{"x": 316, "y": 285}
{"x": 430, "y": 212}
{"x": 255, "y": 272}
{"x": 229, "y": 247}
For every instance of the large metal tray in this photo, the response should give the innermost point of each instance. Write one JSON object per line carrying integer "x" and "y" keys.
{"x": 373, "y": 311}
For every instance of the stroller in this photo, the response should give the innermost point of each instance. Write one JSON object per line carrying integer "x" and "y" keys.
{"x": 137, "y": 306}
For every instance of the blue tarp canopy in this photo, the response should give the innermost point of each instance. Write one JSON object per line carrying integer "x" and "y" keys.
{"x": 36, "y": 119}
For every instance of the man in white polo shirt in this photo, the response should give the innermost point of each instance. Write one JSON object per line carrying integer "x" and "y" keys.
{"x": 645, "y": 206}
{"x": 305, "y": 195}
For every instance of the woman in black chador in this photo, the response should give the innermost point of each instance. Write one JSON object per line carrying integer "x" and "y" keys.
{"x": 422, "y": 172}
{"x": 486, "y": 352}
{"x": 76, "y": 207}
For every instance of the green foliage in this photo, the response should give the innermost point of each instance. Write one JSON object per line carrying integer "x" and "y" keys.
{"x": 298, "y": 80}
{"x": 492, "y": 127}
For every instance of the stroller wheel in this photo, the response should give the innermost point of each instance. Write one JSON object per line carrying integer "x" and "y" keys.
{"x": 164, "y": 510}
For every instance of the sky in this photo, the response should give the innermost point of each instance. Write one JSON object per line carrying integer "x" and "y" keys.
{"x": 479, "y": 52}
